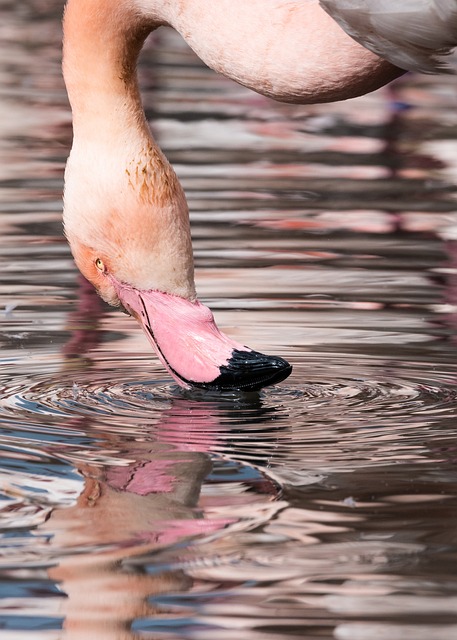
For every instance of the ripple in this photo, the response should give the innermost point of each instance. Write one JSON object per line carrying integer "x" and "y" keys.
{"x": 364, "y": 416}
{"x": 67, "y": 394}
{"x": 136, "y": 397}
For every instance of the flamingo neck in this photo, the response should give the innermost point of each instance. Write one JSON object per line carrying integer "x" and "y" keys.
{"x": 292, "y": 51}
{"x": 123, "y": 201}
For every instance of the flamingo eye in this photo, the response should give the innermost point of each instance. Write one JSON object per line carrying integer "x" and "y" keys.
{"x": 100, "y": 265}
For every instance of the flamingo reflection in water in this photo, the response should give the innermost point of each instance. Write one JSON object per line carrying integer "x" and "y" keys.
{"x": 140, "y": 496}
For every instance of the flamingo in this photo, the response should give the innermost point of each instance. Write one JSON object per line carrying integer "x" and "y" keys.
{"x": 125, "y": 213}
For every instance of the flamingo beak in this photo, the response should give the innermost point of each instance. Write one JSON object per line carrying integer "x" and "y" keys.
{"x": 191, "y": 347}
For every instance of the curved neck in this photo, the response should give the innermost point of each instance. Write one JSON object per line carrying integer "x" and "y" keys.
{"x": 292, "y": 51}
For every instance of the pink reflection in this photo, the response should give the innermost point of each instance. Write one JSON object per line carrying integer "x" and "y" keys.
{"x": 145, "y": 500}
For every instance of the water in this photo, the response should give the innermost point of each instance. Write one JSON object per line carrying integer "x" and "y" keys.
{"x": 320, "y": 508}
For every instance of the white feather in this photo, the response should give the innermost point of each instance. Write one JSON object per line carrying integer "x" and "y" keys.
{"x": 418, "y": 35}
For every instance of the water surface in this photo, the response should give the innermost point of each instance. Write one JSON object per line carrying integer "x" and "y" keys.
{"x": 320, "y": 508}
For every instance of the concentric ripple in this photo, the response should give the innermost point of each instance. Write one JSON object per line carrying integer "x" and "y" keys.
{"x": 133, "y": 395}
{"x": 379, "y": 413}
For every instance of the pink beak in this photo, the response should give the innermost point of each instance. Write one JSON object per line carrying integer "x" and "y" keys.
{"x": 191, "y": 347}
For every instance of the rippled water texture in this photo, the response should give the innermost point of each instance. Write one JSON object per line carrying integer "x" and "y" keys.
{"x": 320, "y": 508}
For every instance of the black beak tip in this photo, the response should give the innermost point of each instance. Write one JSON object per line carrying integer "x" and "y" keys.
{"x": 250, "y": 371}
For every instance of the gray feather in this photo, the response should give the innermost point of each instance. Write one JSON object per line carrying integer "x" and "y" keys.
{"x": 418, "y": 35}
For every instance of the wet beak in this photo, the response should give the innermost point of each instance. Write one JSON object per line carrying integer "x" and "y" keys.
{"x": 191, "y": 347}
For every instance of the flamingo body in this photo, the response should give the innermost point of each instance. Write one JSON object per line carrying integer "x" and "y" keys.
{"x": 125, "y": 213}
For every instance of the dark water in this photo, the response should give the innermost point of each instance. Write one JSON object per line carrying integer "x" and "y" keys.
{"x": 321, "y": 508}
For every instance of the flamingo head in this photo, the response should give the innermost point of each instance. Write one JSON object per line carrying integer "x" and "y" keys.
{"x": 130, "y": 238}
